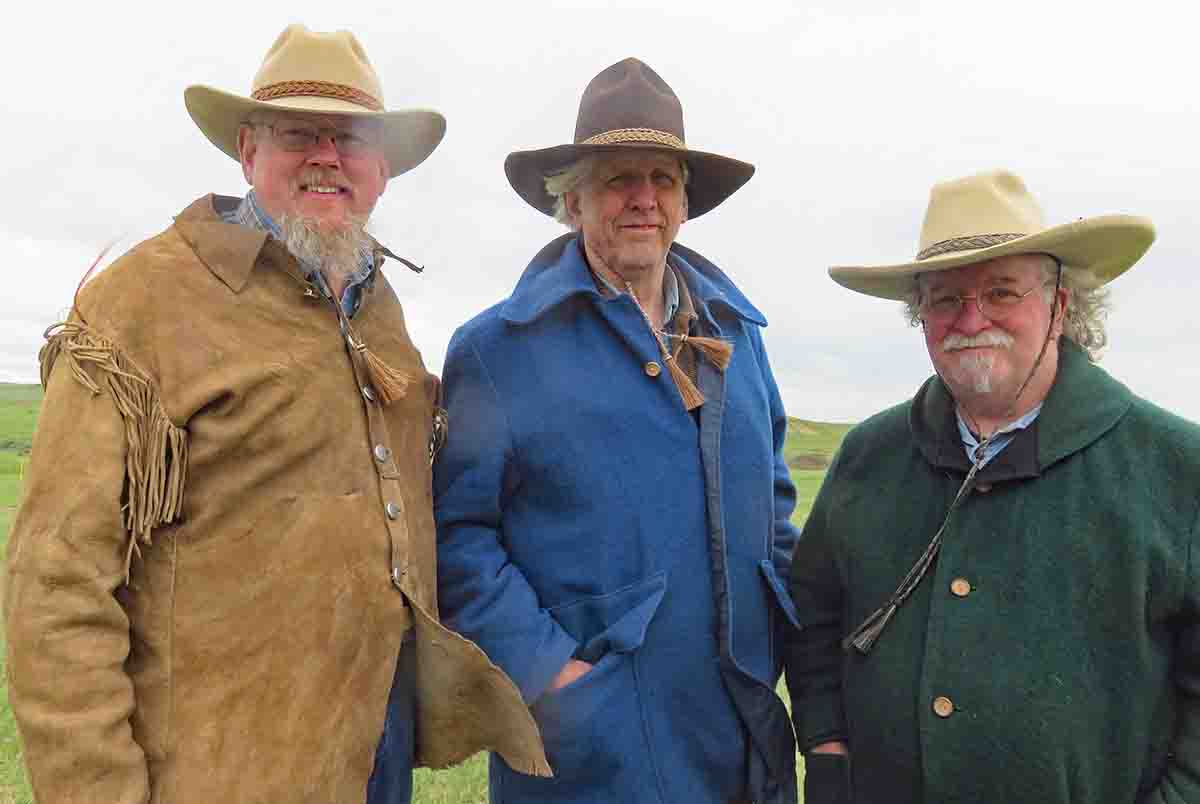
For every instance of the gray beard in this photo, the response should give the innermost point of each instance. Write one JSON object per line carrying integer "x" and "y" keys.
{"x": 338, "y": 252}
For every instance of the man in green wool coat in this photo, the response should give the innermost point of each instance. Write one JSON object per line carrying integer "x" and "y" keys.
{"x": 998, "y": 589}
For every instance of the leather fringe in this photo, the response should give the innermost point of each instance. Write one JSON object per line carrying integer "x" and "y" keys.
{"x": 156, "y": 454}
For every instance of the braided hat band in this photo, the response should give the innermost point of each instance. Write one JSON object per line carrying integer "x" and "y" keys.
{"x": 318, "y": 89}
{"x": 627, "y": 135}
{"x": 967, "y": 244}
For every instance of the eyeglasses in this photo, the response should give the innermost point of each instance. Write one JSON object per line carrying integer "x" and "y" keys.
{"x": 995, "y": 303}
{"x": 299, "y": 136}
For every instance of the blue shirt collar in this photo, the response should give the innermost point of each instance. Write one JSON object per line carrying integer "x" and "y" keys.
{"x": 999, "y": 441}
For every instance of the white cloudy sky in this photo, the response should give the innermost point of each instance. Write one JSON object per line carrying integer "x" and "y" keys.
{"x": 850, "y": 110}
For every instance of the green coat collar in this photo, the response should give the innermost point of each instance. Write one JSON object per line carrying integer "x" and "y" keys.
{"x": 1083, "y": 404}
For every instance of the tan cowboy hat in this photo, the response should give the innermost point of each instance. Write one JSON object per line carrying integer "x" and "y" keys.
{"x": 628, "y": 106}
{"x": 991, "y": 215}
{"x": 328, "y": 73}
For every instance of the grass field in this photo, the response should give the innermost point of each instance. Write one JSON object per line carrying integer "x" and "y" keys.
{"x": 808, "y": 449}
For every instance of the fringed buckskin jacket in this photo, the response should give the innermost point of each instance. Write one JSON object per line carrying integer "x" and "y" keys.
{"x": 225, "y": 535}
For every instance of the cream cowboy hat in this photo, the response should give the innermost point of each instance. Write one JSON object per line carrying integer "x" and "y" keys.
{"x": 628, "y": 106}
{"x": 991, "y": 215}
{"x": 307, "y": 71}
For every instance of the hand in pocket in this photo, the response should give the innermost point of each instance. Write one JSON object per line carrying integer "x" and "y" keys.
{"x": 573, "y": 670}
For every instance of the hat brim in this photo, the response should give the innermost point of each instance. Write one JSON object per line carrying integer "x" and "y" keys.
{"x": 713, "y": 177}
{"x": 1106, "y": 246}
{"x": 409, "y": 135}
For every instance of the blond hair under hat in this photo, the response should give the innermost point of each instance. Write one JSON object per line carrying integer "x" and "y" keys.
{"x": 324, "y": 73}
{"x": 991, "y": 215}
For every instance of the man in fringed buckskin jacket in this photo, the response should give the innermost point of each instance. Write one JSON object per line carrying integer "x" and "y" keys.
{"x": 998, "y": 583}
{"x": 225, "y": 554}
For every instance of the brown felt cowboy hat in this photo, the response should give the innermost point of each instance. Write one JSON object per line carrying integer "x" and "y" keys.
{"x": 324, "y": 73}
{"x": 628, "y": 106}
{"x": 991, "y": 215}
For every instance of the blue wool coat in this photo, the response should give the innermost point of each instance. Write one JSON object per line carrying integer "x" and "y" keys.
{"x": 583, "y": 512}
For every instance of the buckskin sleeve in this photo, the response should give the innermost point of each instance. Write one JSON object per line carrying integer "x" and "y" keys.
{"x": 68, "y": 636}
{"x": 1180, "y": 782}
{"x": 814, "y": 659}
{"x": 481, "y": 593}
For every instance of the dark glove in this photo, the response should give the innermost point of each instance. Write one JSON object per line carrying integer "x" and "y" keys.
{"x": 826, "y": 779}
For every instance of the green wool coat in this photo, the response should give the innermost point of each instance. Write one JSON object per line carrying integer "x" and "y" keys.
{"x": 1060, "y": 625}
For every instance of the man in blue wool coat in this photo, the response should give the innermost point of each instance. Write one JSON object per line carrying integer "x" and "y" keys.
{"x": 612, "y": 503}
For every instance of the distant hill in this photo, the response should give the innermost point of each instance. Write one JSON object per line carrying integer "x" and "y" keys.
{"x": 810, "y": 445}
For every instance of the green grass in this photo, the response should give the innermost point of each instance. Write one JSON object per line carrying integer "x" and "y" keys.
{"x": 810, "y": 445}
{"x": 808, "y": 449}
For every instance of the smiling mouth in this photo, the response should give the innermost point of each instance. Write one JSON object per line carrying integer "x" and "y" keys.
{"x": 323, "y": 189}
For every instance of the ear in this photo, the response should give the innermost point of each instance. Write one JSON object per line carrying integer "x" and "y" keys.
{"x": 684, "y": 217}
{"x": 385, "y": 173}
{"x": 1062, "y": 302}
{"x": 247, "y": 150}
{"x": 574, "y": 211}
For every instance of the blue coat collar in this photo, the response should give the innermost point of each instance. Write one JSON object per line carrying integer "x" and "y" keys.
{"x": 559, "y": 271}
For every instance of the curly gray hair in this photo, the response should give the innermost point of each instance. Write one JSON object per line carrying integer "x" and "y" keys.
{"x": 1087, "y": 306}
{"x": 568, "y": 179}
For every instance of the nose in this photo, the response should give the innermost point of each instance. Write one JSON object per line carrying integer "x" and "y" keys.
{"x": 643, "y": 196}
{"x": 970, "y": 320}
{"x": 324, "y": 152}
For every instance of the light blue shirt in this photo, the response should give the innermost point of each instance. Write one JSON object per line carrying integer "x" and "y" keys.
{"x": 670, "y": 293}
{"x": 1000, "y": 440}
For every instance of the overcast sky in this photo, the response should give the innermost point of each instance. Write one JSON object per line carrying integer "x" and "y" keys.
{"x": 850, "y": 110}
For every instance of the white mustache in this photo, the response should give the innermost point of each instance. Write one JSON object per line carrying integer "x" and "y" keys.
{"x": 989, "y": 337}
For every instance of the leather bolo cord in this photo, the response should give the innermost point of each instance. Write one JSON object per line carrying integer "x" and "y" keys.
{"x": 863, "y": 637}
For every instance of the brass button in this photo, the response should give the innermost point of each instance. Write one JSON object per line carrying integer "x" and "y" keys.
{"x": 943, "y": 706}
{"x": 961, "y": 587}
{"x": 393, "y": 510}
{"x": 653, "y": 369}
{"x": 368, "y": 394}
{"x": 382, "y": 453}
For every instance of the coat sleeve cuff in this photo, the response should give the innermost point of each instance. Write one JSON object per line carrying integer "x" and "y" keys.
{"x": 546, "y": 665}
{"x": 822, "y": 721}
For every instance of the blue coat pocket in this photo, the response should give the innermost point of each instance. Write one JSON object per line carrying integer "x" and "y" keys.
{"x": 612, "y": 623}
{"x": 592, "y": 727}
{"x": 782, "y": 596}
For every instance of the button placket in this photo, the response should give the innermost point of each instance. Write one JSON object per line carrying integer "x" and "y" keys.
{"x": 392, "y": 497}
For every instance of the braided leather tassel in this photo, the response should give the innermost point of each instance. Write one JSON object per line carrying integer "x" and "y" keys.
{"x": 692, "y": 398}
{"x": 717, "y": 351}
{"x": 865, "y": 635}
{"x": 389, "y": 383}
